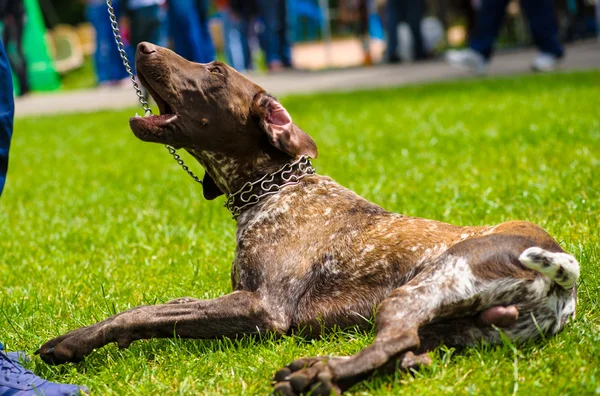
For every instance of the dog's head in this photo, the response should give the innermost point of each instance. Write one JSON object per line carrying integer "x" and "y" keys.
{"x": 231, "y": 125}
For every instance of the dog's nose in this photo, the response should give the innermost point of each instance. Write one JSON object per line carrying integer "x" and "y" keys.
{"x": 146, "y": 48}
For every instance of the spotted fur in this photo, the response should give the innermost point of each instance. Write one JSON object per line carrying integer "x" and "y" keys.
{"x": 317, "y": 256}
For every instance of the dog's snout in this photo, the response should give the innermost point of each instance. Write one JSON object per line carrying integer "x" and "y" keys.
{"x": 146, "y": 48}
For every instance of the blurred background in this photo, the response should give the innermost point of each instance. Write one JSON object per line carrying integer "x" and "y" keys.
{"x": 68, "y": 44}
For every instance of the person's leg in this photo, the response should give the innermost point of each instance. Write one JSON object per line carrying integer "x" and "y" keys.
{"x": 283, "y": 27}
{"x": 489, "y": 20}
{"x": 247, "y": 30}
{"x": 231, "y": 40}
{"x": 470, "y": 14}
{"x": 7, "y": 111}
{"x": 164, "y": 27}
{"x": 414, "y": 14}
{"x": 268, "y": 12}
{"x": 15, "y": 379}
{"x": 393, "y": 18}
{"x": 207, "y": 50}
{"x": 21, "y": 69}
{"x": 16, "y": 58}
{"x": 92, "y": 13}
{"x": 234, "y": 41}
{"x": 542, "y": 23}
{"x": 117, "y": 71}
{"x": 598, "y": 19}
{"x": 145, "y": 25}
{"x": 107, "y": 60}
{"x": 185, "y": 29}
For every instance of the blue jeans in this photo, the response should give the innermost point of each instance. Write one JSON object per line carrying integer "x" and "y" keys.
{"x": 7, "y": 112}
{"x": 188, "y": 24}
{"x": 410, "y": 12}
{"x": 276, "y": 35}
{"x": 107, "y": 61}
{"x": 237, "y": 46}
{"x": 542, "y": 23}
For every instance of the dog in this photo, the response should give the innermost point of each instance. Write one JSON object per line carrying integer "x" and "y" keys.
{"x": 312, "y": 254}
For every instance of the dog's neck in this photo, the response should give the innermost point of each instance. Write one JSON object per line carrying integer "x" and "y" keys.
{"x": 270, "y": 184}
{"x": 231, "y": 173}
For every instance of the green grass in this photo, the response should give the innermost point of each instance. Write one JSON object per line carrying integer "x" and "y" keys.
{"x": 94, "y": 222}
{"x": 81, "y": 78}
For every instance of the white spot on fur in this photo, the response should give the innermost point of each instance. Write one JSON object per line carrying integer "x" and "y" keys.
{"x": 368, "y": 248}
{"x": 549, "y": 264}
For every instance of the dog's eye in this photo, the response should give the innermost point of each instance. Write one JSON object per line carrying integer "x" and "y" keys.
{"x": 216, "y": 69}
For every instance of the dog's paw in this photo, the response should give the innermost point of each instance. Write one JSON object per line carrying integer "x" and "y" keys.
{"x": 71, "y": 347}
{"x": 410, "y": 361}
{"x": 302, "y": 376}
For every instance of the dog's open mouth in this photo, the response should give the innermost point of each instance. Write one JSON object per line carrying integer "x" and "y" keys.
{"x": 151, "y": 127}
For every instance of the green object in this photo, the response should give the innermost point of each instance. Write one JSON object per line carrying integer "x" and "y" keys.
{"x": 40, "y": 68}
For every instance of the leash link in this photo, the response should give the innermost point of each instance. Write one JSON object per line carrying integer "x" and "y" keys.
{"x": 147, "y": 110}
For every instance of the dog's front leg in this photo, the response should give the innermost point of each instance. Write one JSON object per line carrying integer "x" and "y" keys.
{"x": 237, "y": 313}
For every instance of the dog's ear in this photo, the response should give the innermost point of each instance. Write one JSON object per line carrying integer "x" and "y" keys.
{"x": 209, "y": 187}
{"x": 277, "y": 123}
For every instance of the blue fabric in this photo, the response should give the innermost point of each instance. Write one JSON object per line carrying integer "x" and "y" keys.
{"x": 237, "y": 47}
{"x": 16, "y": 380}
{"x": 542, "y": 23}
{"x": 107, "y": 61}
{"x": 7, "y": 112}
{"x": 277, "y": 44}
{"x": 188, "y": 24}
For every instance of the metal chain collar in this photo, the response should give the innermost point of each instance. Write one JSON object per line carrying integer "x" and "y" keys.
{"x": 147, "y": 111}
{"x": 249, "y": 195}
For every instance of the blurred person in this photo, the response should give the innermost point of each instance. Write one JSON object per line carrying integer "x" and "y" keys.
{"x": 411, "y": 12}
{"x": 363, "y": 30}
{"x": 13, "y": 16}
{"x": 7, "y": 108}
{"x": 188, "y": 25}
{"x": 145, "y": 21}
{"x": 276, "y": 35}
{"x": 242, "y": 17}
{"x": 598, "y": 19}
{"x": 543, "y": 26}
{"x": 232, "y": 46}
{"x": 469, "y": 8}
{"x": 14, "y": 378}
{"x": 107, "y": 60}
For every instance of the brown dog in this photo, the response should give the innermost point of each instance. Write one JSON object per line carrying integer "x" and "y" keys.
{"x": 311, "y": 253}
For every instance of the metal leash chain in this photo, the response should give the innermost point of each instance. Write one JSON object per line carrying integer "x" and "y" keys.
{"x": 147, "y": 111}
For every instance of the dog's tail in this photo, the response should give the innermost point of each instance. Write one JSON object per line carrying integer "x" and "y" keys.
{"x": 561, "y": 268}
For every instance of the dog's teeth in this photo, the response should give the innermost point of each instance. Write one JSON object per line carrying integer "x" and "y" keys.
{"x": 147, "y": 114}
{"x": 171, "y": 119}
{"x": 137, "y": 115}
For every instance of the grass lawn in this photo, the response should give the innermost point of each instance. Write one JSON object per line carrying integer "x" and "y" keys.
{"x": 94, "y": 222}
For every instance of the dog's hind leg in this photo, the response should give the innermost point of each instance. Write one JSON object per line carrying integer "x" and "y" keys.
{"x": 441, "y": 291}
{"x": 475, "y": 284}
